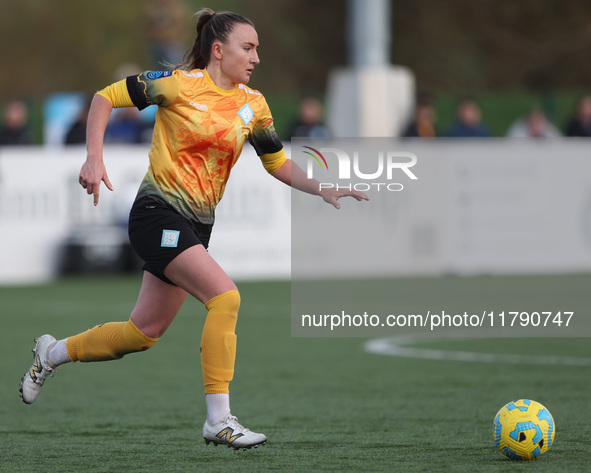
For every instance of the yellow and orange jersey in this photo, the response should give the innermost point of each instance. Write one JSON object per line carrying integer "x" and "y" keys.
{"x": 199, "y": 133}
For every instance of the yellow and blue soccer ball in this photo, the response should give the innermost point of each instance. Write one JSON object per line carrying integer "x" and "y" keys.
{"x": 524, "y": 430}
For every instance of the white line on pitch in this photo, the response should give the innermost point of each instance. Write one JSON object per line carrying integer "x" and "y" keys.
{"x": 395, "y": 346}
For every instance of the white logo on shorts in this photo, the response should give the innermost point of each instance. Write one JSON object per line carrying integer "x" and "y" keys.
{"x": 170, "y": 238}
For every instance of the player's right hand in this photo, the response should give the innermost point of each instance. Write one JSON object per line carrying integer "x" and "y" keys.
{"x": 93, "y": 172}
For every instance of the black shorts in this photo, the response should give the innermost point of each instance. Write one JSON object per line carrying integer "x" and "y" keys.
{"x": 158, "y": 234}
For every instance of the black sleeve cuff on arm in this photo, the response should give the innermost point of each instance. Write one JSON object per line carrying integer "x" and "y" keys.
{"x": 269, "y": 144}
{"x": 137, "y": 91}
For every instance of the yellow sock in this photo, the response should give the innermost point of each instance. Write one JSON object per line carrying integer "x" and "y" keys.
{"x": 218, "y": 342}
{"x": 109, "y": 341}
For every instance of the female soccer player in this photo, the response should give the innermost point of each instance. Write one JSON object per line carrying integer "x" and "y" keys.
{"x": 205, "y": 114}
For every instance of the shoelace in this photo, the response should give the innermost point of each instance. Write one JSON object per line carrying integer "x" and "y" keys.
{"x": 233, "y": 421}
{"x": 50, "y": 372}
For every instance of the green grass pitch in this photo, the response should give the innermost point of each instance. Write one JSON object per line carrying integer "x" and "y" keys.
{"x": 324, "y": 403}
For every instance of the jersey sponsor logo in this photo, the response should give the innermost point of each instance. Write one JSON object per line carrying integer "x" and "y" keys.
{"x": 193, "y": 74}
{"x": 151, "y": 75}
{"x": 170, "y": 238}
{"x": 246, "y": 114}
{"x": 200, "y": 106}
{"x": 247, "y": 90}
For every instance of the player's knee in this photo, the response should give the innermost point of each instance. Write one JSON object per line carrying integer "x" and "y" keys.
{"x": 228, "y": 302}
{"x": 135, "y": 340}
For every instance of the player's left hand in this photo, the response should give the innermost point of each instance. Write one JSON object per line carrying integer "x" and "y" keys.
{"x": 331, "y": 196}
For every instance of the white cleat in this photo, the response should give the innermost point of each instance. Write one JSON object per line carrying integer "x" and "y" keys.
{"x": 229, "y": 432}
{"x": 33, "y": 380}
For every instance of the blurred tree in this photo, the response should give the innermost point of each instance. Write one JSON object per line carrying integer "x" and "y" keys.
{"x": 464, "y": 45}
{"x": 79, "y": 44}
{"x": 453, "y": 46}
{"x": 66, "y": 45}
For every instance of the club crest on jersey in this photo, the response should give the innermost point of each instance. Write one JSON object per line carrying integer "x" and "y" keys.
{"x": 170, "y": 238}
{"x": 246, "y": 114}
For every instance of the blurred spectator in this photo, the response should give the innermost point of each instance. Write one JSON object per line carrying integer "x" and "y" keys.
{"x": 468, "y": 122}
{"x": 165, "y": 22}
{"x": 14, "y": 129}
{"x": 310, "y": 122}
{"x": 126, "y": 126}
{"x": 76, "y": 135}
{"x": 422, "y": 124}
{"x": 580, "y": 124}
{"x": 534, "y": 125}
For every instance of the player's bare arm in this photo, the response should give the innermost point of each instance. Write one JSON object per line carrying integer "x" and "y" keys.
{"x": 293, "y": 175}
{"x": 93, "y": 170}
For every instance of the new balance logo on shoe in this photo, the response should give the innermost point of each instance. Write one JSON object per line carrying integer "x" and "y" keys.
{"x": 33, "y": 380}
{"x": 36, "y": 369}
{"x": 227, "y": 433}
{"x": 232, "y": 434}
